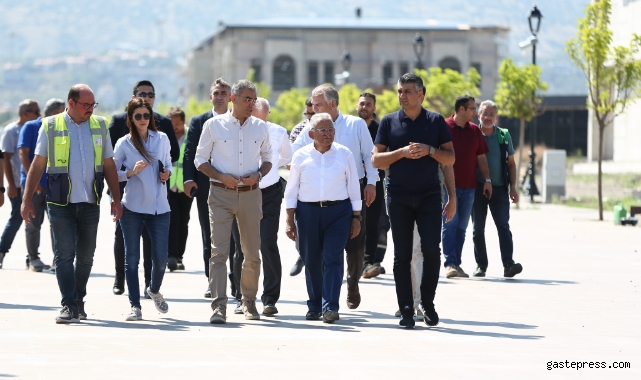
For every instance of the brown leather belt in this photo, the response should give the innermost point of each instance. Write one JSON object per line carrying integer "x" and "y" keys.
{"x": 237, "y": 189}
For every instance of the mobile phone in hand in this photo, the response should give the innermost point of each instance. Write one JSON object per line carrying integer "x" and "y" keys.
{"x": 193, "y": 192}
{"x": 161, "y": 167}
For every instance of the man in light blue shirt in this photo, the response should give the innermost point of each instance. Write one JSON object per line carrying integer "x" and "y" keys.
{"x": 74, "y": 219}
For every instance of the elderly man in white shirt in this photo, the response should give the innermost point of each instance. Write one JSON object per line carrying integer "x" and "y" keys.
{"x": 272, "y": 187}
{"x": 237, "y": 144}
{"x": 352, "y": 132}
{"x": 323, "y": 202}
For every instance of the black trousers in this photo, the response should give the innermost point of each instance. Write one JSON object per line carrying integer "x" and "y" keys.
{"x": 180, "y": 205}
{"x": 205, "y": 229}
{"x": 270, "y": 255}
{"x": 377, "y": 225}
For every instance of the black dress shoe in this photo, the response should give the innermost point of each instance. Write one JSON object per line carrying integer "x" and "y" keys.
{"x": 172, "y": 264}
{"x": 512, "y": 270}
{"x": 330, "y": 316}
{"x": 313, "y": 315}
{"x": 297, "y": 268}
{"x": 119, "y": 286}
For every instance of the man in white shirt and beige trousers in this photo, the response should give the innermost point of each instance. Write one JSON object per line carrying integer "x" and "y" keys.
{"x": 236, "y": 143}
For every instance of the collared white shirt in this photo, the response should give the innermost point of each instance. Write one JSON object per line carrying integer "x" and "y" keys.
{"x": 144, "y": 193}
{"x": 281, "y": 153}
{"x": 233, "y": 148}
{"x": 352, "y": 132}
{"x": 329, "y": 176}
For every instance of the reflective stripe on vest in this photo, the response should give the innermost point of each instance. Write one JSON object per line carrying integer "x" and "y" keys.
{"x": 176, "y": 178}
{"x": 60, "y": 146}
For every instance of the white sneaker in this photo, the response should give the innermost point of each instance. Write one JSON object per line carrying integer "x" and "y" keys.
{"x": 159, "y": 301}
{"x": 135, "y": 315}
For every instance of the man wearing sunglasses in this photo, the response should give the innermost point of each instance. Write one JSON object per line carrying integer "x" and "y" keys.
{"x": 27, "y": 110}
{"x": 117, "y": 129}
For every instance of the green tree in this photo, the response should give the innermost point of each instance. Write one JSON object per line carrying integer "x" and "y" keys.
{"x": 263, "y": 90}
{"x": 613, "y": 75}
{"x": 518, "y": 95}
{"x": 348, "y": 98}
{"x": 386, "y": 103}
{"x": 442, "y": 87}
{"x": 289, "y": 107}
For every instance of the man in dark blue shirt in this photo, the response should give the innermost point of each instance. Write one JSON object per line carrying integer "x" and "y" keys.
{"x": 418, "y": 140}
{"x": 26, "y": 151}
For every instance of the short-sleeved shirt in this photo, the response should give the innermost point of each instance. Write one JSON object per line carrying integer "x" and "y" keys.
{"x": 468, "y": 144}
{"x": 10, "y": 145}
{"x": 81, "y": 158}
{"x": 409, "y": 176}
{"x": 28, "y": 139}
{"x": 494, "y": 158}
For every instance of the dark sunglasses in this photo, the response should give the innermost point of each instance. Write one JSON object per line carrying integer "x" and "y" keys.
{"x": 149, "y": 95}
{"x": 140, "y": 116}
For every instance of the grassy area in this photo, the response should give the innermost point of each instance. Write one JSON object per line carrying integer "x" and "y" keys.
{"x": 592, "y": 202}
{"x": 626, "y": 180}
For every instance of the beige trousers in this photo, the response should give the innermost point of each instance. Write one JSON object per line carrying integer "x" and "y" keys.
{"x": 247, "y": 208}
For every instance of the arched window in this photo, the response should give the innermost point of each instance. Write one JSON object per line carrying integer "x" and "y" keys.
{"x": 450, "y": 63}
{"x": 284, "y": 72}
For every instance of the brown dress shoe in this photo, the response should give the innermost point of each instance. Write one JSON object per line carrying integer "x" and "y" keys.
{"x": 353, "y": 298}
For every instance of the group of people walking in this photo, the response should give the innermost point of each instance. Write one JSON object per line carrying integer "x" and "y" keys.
{"x": 437, "y": 172}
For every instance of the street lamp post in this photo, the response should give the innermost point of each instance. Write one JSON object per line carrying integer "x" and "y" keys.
{"x": 534, "y": 21}
{"x": 346, "y": 60}
{"x": 419, "y": 46}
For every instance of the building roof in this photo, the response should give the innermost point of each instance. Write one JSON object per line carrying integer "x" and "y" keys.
{"x": 357, "y": 23}
{"x": 412, "y": 25}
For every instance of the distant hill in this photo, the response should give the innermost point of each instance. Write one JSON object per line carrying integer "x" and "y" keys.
{"x": 52, "y": 28}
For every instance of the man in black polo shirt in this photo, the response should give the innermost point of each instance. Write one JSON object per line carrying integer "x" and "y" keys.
{"x": 418, "y": 140}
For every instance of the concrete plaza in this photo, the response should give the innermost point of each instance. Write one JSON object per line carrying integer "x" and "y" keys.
{"x": 578, "y": 299}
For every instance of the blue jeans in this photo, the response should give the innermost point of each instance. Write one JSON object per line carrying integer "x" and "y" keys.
{"x": 499, "y": 206}
{"x": 454, "y": 231}
{"x": 13, "y": 224}
{"x": 74, "y": 228}
{"x": 322, "y": 235}
{"x": 424, "y": 210}
{"x": 158, "y": 227}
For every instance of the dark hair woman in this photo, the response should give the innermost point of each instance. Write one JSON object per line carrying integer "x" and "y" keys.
{"x": 144, "y": 154}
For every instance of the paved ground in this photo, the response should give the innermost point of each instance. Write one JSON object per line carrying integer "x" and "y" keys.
{"x": 577, "y": 300}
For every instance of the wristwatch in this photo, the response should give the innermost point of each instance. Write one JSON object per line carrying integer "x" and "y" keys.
{"x": 2, "y": 189}
{"x": 260, "y": 176}
{"x": 431, "y": 151}
{"x": 488, "y": 180}
{"x": 359, "y": 217}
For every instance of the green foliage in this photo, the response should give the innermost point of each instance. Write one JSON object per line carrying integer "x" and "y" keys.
{"x": 348, "y": 98}
{"x": 613, "y": 75}
{"x": 288, "y": 110}
{"x": 386, "y": 103}
{"x": 442, "y": 87}
{"x": 519, "y": 93}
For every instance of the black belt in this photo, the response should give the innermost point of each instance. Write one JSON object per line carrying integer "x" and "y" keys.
{"x": 270, "y": 187}
{"x": 325, "y": 203}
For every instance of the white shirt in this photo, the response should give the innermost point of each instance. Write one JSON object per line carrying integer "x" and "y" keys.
{"x": 281, "y": 153}
{"x": 329, "y": 176}
{"x": 10, "y": 145}
{"x": 233, "y": 148}
{"x": 144, "y": 193}
{"x": 352, "y": 132}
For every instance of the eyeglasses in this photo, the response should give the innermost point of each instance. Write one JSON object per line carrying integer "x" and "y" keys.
{"x": 247, "y": 99}
{"x": 149, "y": 95}
{"x": 140, "y": 116}
{"x": 325, "y": 130}
{"x": 309, "y": 114}
{"x": 87, "y": 106}
{"x": 470, "y": 108}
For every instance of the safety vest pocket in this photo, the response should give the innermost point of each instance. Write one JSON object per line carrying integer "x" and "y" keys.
{"x": 61, "y": 153}
{"x": 58, "y": 188}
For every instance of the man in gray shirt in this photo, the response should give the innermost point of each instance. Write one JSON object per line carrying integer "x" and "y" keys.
{"x": 27, "y": 110}
{"x": 75, "y": 148}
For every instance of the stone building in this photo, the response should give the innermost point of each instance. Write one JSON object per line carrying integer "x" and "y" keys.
{"x": 287, "y": 53}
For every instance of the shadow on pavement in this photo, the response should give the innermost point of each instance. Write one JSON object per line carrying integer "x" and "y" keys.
{"x": 507, "y": 325}
{"x": 448, "y": 330}
{"x": 30, "y": 307}
{"x": 7, "y": 375}
{"x": 527, "y": 281}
